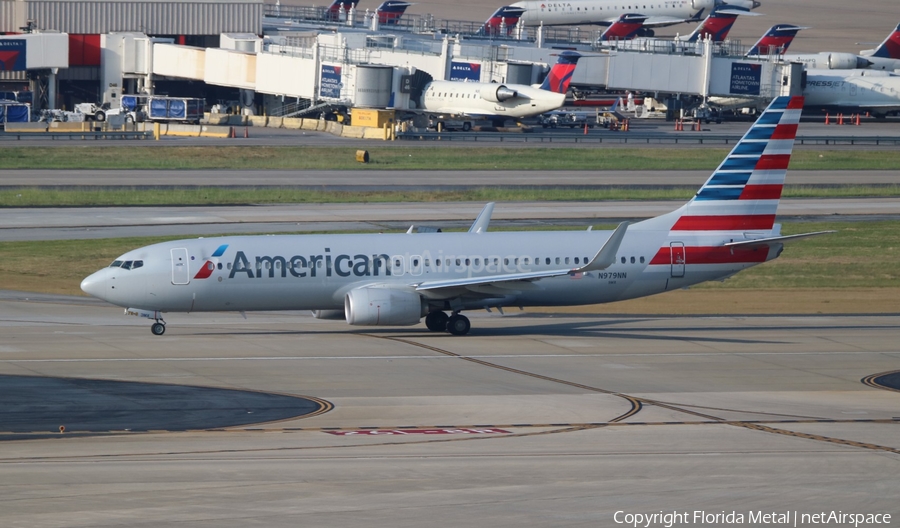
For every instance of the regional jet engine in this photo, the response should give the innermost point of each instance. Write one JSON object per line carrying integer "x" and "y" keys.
{"x": 846, "y": 61}
{"x": 497, "y": 93}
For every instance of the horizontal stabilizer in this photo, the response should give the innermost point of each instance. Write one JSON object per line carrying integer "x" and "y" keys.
{"x": 775, "y": 240}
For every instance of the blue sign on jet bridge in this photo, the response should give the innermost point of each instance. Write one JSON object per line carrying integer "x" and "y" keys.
{"x": 331, "y": 82}
{"x": 465, "y": 71}
{"x": 745, "y": 78}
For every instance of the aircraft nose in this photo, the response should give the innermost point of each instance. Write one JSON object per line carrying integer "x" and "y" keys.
{"x": 94, "y": 284}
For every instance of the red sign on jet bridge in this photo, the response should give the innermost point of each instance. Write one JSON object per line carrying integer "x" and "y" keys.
{"x": 401, "y": 432}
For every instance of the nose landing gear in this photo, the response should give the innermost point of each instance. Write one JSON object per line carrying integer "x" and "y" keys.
{"x": 159, "y": 327}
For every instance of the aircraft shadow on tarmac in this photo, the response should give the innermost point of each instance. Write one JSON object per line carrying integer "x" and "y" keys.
{"x": 593, "y": 328}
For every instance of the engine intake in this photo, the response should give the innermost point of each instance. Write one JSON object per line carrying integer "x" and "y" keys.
{"x": 375, "y": 306}
{"x": 497, "y": 93}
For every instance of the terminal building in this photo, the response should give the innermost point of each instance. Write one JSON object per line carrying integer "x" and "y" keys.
{"x": 266, "y": 58}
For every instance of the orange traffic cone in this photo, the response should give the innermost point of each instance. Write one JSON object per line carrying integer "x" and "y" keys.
{"x": 827, "y": 119}
{"x": 246, "y": 132}
{"x": 857, "y": 120}
{"x": 840, "y": 119}
{"x": 585, "y": 129}
{"x": 231, "y": 133}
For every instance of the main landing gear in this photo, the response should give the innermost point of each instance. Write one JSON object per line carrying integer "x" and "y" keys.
{"x": 159, "y": 327}
{"x": 456, "y": 324}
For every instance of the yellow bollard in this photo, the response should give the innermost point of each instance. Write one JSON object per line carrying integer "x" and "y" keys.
{"x": 156, "y": 133}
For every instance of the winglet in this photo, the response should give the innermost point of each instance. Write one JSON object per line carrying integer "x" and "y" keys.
{"x": 480, "y": 225}
{"x": 606, "y": 257}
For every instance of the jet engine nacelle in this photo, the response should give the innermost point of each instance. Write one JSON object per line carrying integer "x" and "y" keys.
{"x": 374, "y": 306}
{"x": 497, "y": 93}
{"x": 329, "y": 314}
{"x": 746, "y": 4}
{"x": 846, "y": 61}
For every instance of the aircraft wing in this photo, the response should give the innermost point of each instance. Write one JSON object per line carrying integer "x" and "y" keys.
{"x": 603, "y": 259}
{"x": 775, "y": 240}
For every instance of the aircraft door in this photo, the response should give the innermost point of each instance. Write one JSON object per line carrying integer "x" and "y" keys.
{"x": 678, "y": 258}
{"x": 180, "y": 272}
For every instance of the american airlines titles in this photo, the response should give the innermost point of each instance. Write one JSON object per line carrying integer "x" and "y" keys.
{"x": 375, "y": 265}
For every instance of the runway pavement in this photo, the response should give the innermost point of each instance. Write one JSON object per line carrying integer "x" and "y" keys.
{"x": 531, "y": 420}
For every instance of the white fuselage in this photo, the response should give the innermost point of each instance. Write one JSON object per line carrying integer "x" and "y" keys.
{"x": 466, "y": 98}
{"x": 315, "y": 272}
{"x": 853, "y": 89}
{"x": 586, "y": 12}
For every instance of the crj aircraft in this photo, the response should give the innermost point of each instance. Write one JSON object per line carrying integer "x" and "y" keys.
{"x": 396, "y": 279}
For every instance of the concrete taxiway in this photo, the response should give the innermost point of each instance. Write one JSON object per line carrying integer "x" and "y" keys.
{"x": 532, "y": 420}
{"x": 113, "y": 222}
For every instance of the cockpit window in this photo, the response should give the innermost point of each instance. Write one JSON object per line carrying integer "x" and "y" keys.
{"x": 127, "y": 264}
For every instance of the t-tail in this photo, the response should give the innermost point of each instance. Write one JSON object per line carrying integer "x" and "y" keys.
{"x": 776, "y": 40}
{"x": 717, "y": 25}
{"x": 502, "y": 22}
{"x": 389, "y": 12}
{"x": 625, "y": 28}
{"x": 560, "y": 75}
{"x": 890, "y": 48}
{"x": 730, "y": 225}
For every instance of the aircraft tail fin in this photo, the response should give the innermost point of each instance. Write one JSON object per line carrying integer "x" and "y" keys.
{"x": 717, "y": 25}
{"x": 390, "y": 11}
{"x": 505, "y": 16}
{"x": 776, "y": 40}
{"x": 560, "y": 75}
{"x": 890, "y": 48}
{"x": 742, "y": 194}
{"x": 625, "y": 28}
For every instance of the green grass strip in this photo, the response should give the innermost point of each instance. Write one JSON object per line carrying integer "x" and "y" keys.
{"x": 432, "y": 157}
{"x": 44, "y": 197}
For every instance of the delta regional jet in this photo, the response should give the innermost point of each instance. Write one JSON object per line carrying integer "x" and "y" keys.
{"x": 500, "y": 101}
{"x": 659, "y": 13}
{"x": 396, "y": 279}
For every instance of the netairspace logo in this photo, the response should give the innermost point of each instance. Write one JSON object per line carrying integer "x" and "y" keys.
{"x": 759, "y": 517}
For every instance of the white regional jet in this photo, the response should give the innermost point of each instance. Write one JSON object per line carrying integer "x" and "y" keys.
{"x": 501, "y": 101}
{"x": 659, "y": 13}
{"x": 396, "y": 279}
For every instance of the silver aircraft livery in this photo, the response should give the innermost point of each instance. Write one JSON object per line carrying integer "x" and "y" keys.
{"x": 397, "y": 279}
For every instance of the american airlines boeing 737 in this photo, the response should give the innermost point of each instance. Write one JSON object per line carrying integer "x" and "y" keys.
{"x": 396, "y": 279}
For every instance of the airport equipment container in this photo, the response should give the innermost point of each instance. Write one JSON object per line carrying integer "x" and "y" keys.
{"x": 179, "y": 109}
{"x": 14, "y": 112}
{"x": 368, "y": 117}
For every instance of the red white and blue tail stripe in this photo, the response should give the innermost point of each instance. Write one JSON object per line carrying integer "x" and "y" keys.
{"x": 743, "y": 192}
